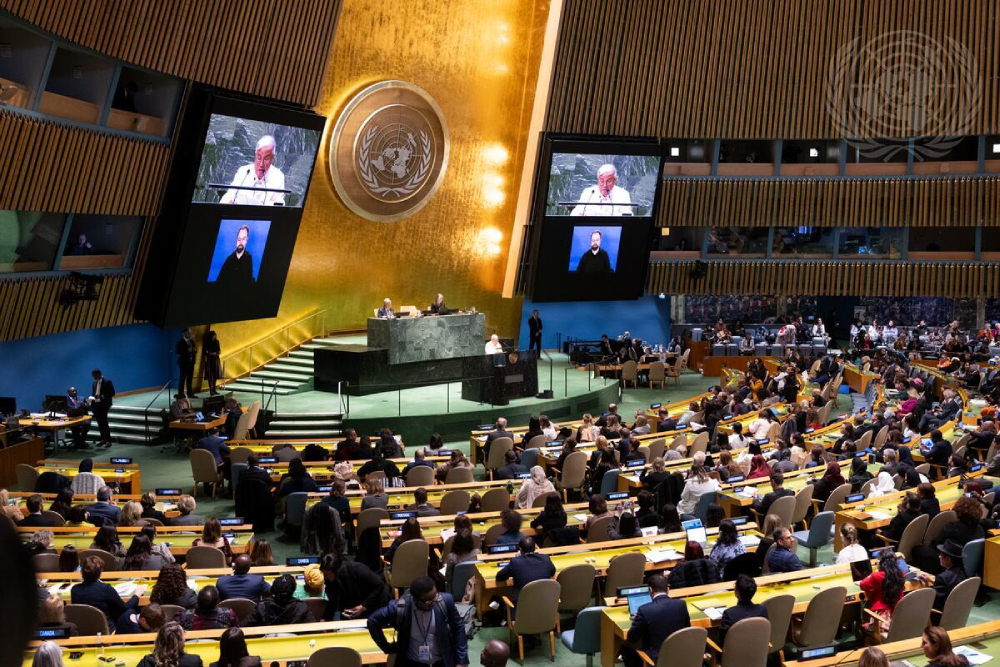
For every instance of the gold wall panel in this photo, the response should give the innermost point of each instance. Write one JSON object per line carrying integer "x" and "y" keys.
{"x": 270, "y": 48}
{"x": 856, "y": 202}
{"x": 757, "y": 68}
{"x": 830, "y": 278}
{"x": 479, "y": 60}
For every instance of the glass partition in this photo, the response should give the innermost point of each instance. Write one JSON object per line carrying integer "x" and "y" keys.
{"x": 29, "y": 240}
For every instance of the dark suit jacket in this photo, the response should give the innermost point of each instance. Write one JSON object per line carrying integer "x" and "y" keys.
{"x": 534, "y": 327}
{"x": 939, "y": 453}
{"x": 107, "y": 393}
{"x": 510, "y": 471}
{"x": 249, "y": 586}
{"x": 110, "y": 513}
{"x": 36, "y": 521}
{"x": 448, "y": 628}
{"x": 734, "y": 615}
{"x": 945, "y": 582}
{"x": 490, "y": 437}
{"x": 764, "y": 503}
{"x": 102, "y": 596}
{"x": 525, "y": 568}
{"x": 657, "y": 620}
{"x": 187, "y": 660}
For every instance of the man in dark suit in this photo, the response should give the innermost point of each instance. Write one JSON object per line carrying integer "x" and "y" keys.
{"x": 101, "y": 396}
{"x": 762, "y": 505}
{"x": 187, "y": 352}
{"x": 654, "y": 622}
{"x": 666, "y": 423}
{"x": 242, "y": 584}
{"x": 500, "y": 432}
{"x": 96, "y": 593}
{"x": 511, "y": 468}
{"x": 418, "y": 460}
{"x": 938, "y": 454}
{"x": 254, "y": 471}
{"x": 347, "y": 449}
{"x": 745, "y": 608}
{"x": 35, "y": 518}
{"x": 527, "y": 566}
{"x": 76, "y": 406}
{"x": 104, "y": 508}
{"x": 420, "y": 506}
{"x": 946, "y": 411}
{"x": 952, "y": 572}
{"x": 535, "y": 332}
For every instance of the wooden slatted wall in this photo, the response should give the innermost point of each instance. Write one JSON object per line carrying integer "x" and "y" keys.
{"x": 59, "y": 168}
{"x": 829, "y": 278}
{"x": 963, "y": 202}
{"x": 757, "y": 68}
{"x": 271, "y": 48}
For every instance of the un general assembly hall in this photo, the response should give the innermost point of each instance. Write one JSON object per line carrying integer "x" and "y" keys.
{"x": 654, "y": 333}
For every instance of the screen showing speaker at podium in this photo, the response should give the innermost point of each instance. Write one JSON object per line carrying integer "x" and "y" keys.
{"x": 255, "y": 163}
{"x": 602, "y": 185}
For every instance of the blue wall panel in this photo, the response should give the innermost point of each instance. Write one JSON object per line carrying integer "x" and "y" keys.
{"x": 647, "y": 318}
{"x": 134, "y": 357}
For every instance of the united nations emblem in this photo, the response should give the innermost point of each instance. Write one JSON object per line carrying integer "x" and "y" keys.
{"x": 389, "y": 151}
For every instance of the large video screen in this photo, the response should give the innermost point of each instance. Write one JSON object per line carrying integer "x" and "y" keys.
{"x": 602, "y": 185}
{"x": 239, "y": 180}
{"x": 255, "y": 163}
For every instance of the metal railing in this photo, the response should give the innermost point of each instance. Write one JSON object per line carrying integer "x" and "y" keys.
{"x": 275, "y": 345}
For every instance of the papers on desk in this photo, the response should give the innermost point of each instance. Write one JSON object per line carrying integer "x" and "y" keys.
{"x": 126, "y": 589}
{"x": 747, "y": 492}
{"x": 57, "y": 589}
{"x": 481, "y": 438}
{"x": 714, "y": 613}
{"x": 632, "y": 478}
{"x": 193, "y": 585}
{"x": 447, "y": 533}
{"x": 582, "y": 518}
{"x": 749, "y": 541}
{"x": 973, "y": 656}
{"x": 663, "y": 555}
{"x": 704, "y": 604}
{"x": 879, "y": 516}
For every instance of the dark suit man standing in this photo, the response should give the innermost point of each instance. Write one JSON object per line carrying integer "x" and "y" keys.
{"x": 535, "y": 332}
{"x": 187, "y": 352}
{"x": 101, "y": 396}
{"x": 654, "y": 622}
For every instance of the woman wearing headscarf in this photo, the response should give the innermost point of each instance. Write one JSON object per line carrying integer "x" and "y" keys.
{"x": 831, "y": 479}
{"x": 536, "y": 485}
{"x": 912, "y": 479}
{"x": 758, "y": 468}
{"x": 859, "y": 473}
{"x": 883, "y": 485}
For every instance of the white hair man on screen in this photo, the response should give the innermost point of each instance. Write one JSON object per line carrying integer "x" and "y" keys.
{"x": 255, "y": 184}
{"x": 605, "y": 197}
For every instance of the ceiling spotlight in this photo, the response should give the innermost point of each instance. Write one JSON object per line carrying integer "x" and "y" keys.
{"x": 813, "y": 152}
{"x": 675, "y": 151}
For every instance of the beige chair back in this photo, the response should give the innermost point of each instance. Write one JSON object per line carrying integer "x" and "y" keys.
{"x": 683, "y": 648}
{"x": 498, "y": 448}
{"x": 923, "y": 468}
{"x": 542, "y": 499}
{"x": 881, "y": 437}
{"x": 958, "y": 606}
{"x": 240, "y": 606}
{"x": 785, "y": 508}
{"x": 45, "y": 562}
{"x": 496, "y": 500}
{"x": 204, "y": 557}
{"x": 699, "y": 444}
{"x": 459, "y": 476}
{"x": 409, "y": 562}
{"x": 766, "y": 567}
{"x": 317, "y": 606}
{"x": 867, "y": 487}
{"x": 657, "y": 448}
{"x": 644, "y": 450}
{"x": 625, "y": 570}
{"x": 26, "y": 477}
{"x": 837, "y": 498}
{"x": 109, "y": 559}
{"x": 683, "y": 363}
{"x": 962, "y": 443}
{"x": 657, "y": 373}
{"x": 911, "y": 615}
{"x": 242, "y": 427}
{"x": 630, "y": 371}
{"x": 937, "y": 524}
{"x": 537, "y": 607}
{"x": 803, "y": 502}
{"x": 746, "y": 643}
{"x": 822, "y": 617}
{"x": 371, "y": 518}
{"x": 454, "y": 502}
{"x": 172, "y": 611}
{"x": 779, "y": 612}
{"x": 994, "y": 448}
{"x": 335, "y": 656}
{"x": 864, "y": 442}
{"x": 90, "y": 621}
{"x": 679, "y": 441}
{"x": 378, "y": 474}
{"x": 598, "y": 531}
{"x": 537, "y": 442}
{"x": 773, "y": 431}
{"x": 420, "y": 476}
{"x": 253, "y": 413}
{"x": 574, "y": 471}
{"x": 577, "y": 585}
{"x": 492, "y": 533}
{"x": 203, "y": 467}
{"x": 912, "y": 535}
{"x": 55, "y": 517}
{"x": 240, "y": 454}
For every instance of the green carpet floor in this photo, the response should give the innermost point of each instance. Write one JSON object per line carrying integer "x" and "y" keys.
{"x": 167, "y": 469}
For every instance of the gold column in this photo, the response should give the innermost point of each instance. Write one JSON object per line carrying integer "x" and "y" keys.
{"x": 479, "y": 59}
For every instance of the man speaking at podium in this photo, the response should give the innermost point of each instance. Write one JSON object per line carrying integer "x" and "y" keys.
{"x": 260, "y": 174}
{"x": 602, "y": 199}
{"x": 494, "y": 348}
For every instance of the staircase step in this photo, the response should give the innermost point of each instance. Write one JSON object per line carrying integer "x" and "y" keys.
{"x": 269, "y": 382}
{"x": 303, "y": 434}
{"x": 301, "y": 354}
{"x": 298, "y": 362}
{"x": 297, "y": 371}
{"x": 247, "y": 388}
{"x": 136, "y": 418}
{"x": 134, "y": 428}
{"x": 285, "y": 424}
{"x": 282, "y": 375}
{"x": 132, "y": 409}
{"x": 285, "y": 416}
{"x": 129, "y": 437}
{"x": 327, "y": 341}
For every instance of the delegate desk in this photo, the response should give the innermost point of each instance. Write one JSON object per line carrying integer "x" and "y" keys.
{"x": 125, "y": 475}
{"x": 400, "y": 498}
{"x": 265, "y": 447}
{"x": 323, "y": 470}
{"x": 292, "y": 643}
{"x": 141, "y": 582}
{"x": 991, "y": 560}
{"x": 662, "y": 553}
{"x": 165, "y": 504}
{"x": 178, "y": 538}
{"x": 868, "y": 515}
{"x": 54, "y": 426}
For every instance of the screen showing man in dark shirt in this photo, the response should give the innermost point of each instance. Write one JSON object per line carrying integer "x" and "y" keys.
{"x": 596, "y": 259}
{"x": 237, "y": 270}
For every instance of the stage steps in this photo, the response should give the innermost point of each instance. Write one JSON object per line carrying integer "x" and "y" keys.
{"x": 298, "y": 425}
{"x": 128, "y": 425}
{"x": 292, "y": 373}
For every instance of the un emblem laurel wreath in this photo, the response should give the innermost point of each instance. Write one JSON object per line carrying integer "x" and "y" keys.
{"x": 368, "y": 175}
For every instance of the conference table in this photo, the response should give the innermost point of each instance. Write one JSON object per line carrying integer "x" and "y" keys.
{"x": 164, "y": 503}
{"x": 125, "y": 475}
{"x": 177, "y": 538}
{"x": 305, "y": 639}
{"x": 265, "y": 447}
{"x": 401, "y": 497}
{"x": 662, "y": 552}
{"x": 991, "y": 560}
{"x": 324, "y": 470}
{"x": 54, "y": 426}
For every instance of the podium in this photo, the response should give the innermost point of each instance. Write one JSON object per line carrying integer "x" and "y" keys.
{"x": 497, "y": 378}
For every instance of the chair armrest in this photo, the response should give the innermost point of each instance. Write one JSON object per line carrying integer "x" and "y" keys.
{"x": 713, "y": 645}
{"x": 936, "y": 611}
{"x": 874, "y": 615}
{"x": 506, "y": 601}
{"x": 646, "y": 659}
{"x": 885, "y": 539}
